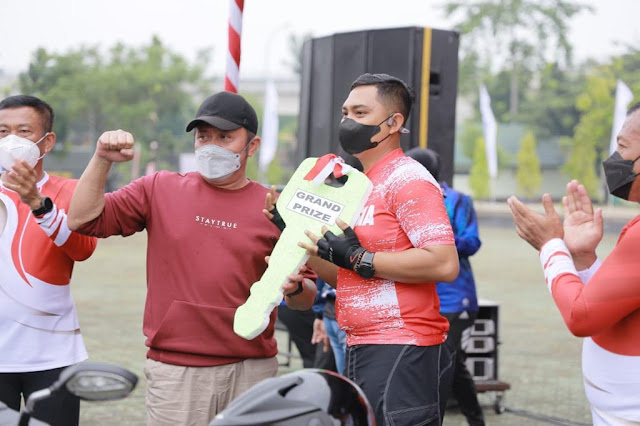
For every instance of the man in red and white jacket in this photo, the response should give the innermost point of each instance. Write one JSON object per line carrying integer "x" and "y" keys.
{"x": 599, "y": 301}
{"x": 40, "y": 331}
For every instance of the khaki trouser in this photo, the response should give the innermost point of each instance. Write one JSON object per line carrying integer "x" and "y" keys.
{"x": 178, "y": 395}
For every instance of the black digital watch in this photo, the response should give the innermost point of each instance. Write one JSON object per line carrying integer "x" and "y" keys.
{"x": 365, "y": 267}
{"x": 46, "y": 205}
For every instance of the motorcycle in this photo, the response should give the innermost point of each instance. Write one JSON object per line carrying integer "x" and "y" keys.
{"x": 87, "y": 380}
{"x": 308, "y": 396}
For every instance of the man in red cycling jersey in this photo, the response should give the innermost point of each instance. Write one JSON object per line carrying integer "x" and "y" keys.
{"x": 385, "y": 269}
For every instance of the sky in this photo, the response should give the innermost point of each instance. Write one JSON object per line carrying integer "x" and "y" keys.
{"x": 187, "y": 26}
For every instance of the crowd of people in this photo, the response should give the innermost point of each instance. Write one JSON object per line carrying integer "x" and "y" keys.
{"x": 386, "y": 303}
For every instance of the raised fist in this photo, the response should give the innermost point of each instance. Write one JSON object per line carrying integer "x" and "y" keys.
{"x": 115, "y": 146}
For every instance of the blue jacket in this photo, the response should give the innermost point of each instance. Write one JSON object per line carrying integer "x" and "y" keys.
{"x": 460, "y": 295}
{"x": 324, "y": 291}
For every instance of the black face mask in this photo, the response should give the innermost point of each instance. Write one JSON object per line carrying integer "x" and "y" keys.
{"x": 355, "y": 137}
{"x": 620, "y": 175}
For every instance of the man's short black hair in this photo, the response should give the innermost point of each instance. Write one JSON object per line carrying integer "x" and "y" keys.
{"x": 392, "y": 92}
{"x": 633, "y": 108}
{"x": 42, "y": 108}
{"x": 428, "y": 158}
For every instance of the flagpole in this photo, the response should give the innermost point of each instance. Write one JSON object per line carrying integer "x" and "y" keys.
{"x": 232, "y": 76}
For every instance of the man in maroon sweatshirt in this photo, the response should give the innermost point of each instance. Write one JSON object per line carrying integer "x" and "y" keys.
{"x": 207, "y": 242}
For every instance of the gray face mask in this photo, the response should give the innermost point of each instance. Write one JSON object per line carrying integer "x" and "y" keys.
{"x": 215, "y": 162}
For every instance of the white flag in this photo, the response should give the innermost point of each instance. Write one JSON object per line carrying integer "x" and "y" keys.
{"x": 269, "y": 143}
{"x": 489, "y": 131}
{"x": 624, "y": 96}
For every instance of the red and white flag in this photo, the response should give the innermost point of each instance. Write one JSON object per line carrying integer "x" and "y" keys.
{"x": 325, "y": 165}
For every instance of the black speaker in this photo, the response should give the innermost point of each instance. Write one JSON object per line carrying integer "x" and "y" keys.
{"x": 426, "y": 59}
{"x": 480, "y": 343}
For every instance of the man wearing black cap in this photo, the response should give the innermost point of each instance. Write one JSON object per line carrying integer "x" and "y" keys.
{"x": 207, "y": 240}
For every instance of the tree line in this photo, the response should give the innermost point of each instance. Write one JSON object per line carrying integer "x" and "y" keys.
{"x": 519, "y": 49}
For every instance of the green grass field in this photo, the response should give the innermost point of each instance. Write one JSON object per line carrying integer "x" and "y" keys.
{"x": 538, "y": 356}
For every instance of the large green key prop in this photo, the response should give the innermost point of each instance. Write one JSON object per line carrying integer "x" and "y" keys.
{"x": 306, "y": 203}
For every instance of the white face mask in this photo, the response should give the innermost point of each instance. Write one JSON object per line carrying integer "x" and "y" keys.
{"x": 14, "y": 148}
{"x": 215, "y": 162}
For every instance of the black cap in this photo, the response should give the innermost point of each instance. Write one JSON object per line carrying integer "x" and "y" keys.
{"x": 226, "y": 111}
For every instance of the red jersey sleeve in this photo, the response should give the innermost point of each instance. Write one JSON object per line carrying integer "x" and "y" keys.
{"x": 609, "y": 296}
{"x": 76, "y": 246}
{"x": 54, "y": 224}
{"x": 419, "y": 208}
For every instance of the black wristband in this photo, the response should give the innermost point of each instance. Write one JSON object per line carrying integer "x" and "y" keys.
{"x": 298, "y": 291}
{"x": 277, "y": 219}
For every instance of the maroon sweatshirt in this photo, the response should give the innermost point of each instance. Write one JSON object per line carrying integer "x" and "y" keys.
{"x": 206, "y": 247}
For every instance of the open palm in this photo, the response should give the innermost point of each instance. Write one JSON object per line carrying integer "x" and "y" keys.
{"x": 582, "y": 226}
{"x": 536, "y": 229}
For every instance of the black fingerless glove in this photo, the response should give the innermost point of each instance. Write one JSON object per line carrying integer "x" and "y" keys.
{"x": 344, "y": 252}
{"x": 277, "y": 219}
